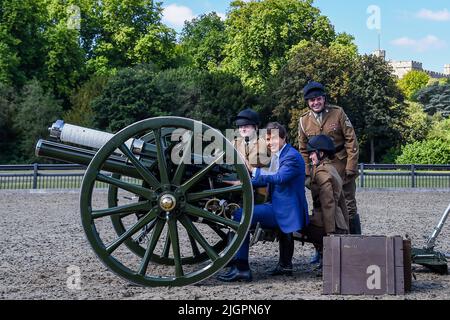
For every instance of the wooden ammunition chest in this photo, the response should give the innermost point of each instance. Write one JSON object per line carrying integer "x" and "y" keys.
{"x": 366, "y": 265}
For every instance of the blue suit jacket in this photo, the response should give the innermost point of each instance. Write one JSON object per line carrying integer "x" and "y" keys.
{"x": 287, "y": 190}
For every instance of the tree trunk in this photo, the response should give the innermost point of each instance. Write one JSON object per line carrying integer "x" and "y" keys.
{"x": 372, "y": 151}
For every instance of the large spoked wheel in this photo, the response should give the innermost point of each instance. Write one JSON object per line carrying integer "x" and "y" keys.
{"x": 185, "y": 241}
{"x": 136, "y": 246}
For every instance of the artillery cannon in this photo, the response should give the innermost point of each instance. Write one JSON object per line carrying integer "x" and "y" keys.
{"x": 170, "y": 225}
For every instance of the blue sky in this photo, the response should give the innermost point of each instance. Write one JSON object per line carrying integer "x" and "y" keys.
{"x": 410, "y": 30}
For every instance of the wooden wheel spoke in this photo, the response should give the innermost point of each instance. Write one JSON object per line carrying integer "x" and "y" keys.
{"x": 131, "y": 187}
{"x": 143, "y": 171}
{"x": 212, "y": 192}
{"x": 199, "y": 175}
{"x": 162, "y": 164}
{"x": 173, "y": 231}
{"x": 198, "y": 212}
{"x": 194, "y": 233}
{"x": 195, "y": 250}
{"x": 219, "y": 232}
{"x": 128, "y": 208}
{"x": 182, "y": 165}
{"x": 130, "y": 232}
{"x": 166, "y": 248}
{"x": 158, "y": 227}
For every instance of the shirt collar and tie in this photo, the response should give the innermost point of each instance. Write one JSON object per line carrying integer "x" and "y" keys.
{"x": 318, "y": 117}
{"x": 275, "y": 161}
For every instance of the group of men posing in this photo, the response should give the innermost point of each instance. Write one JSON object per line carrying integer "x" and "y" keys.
{"x": 327, "y": 164}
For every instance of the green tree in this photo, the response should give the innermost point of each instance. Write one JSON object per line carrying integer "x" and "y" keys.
{"x": 131, "y": 33}
{"x": 203, "y": 40}
{"x": 345, "y": 44}
{"x": 221, "y": 97}
{"x": 9, "y": 61}
{"x": 212, "y": 97}
{"x": 36, "y": 110}
{"x": 8, "y": 100}
{"x": 22, "y": 55}
{"x": 64, "y": 61}
{"x": 416, "y": 124}
{"x": 138, "y": 93}
{"x": 429, "y": 139}
{"x": 375, "y": 105}
{"x": 440, "y": 81}
{"x": 81, "y": 112}
{"x": 440, "y": 128}
{"x": 260, "y": 35}
{"x": 83, "y": 16}
{"x": 412, "y": 82}
{"x": 126, "y": 98}
{"x": 37, "y": 43}
{"x": 435, "y": 98}
{"x": 444, "y": 81}
{"x": 432, "y": 151}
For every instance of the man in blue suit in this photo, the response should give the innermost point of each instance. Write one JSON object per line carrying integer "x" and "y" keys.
{"x": 287, "y": 208}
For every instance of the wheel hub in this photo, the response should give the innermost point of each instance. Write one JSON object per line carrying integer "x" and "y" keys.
{"x": 167, "y": 202}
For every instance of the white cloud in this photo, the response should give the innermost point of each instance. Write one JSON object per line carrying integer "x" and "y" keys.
{"x": 430, "y": 42}
{"x": 176, "y": 15}
{"x": 442, "y": 15}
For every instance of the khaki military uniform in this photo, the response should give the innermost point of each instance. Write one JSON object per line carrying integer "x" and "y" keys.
{"x": 257, "y": 155}
{"x": 329, "y": 215}
{"x": 335, "y": 124}
{"x": 329, "y": 207}
{"x": 255, "y": 152}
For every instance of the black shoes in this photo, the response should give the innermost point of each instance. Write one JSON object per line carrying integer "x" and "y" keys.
{"x": 279, "y": 270}
{"x": 230, "y": 264}
{"x": 236, "y": 275}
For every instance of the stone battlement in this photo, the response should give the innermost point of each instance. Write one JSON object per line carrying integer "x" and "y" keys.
{"x": 403, "y": 67}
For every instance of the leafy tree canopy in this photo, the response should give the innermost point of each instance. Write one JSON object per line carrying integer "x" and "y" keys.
{"x": 412, "y": 82}
{"x": 261, "y": 33}
{"x": 435, "y": 98}
{"x": 203, "y": 40}
{"x": 138, "y": 93}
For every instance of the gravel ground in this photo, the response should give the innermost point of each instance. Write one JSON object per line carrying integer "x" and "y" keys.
{"x": 41, "y": 237}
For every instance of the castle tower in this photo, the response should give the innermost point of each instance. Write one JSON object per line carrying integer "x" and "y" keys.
{"x": 447, "y": 70}
{"x": 380, "y": 54}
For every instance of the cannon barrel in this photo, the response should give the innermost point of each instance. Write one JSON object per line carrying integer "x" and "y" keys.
{"x": 86, "y": 137}
{"x": 115, "y": 163}
{"x": 58, "y": 151}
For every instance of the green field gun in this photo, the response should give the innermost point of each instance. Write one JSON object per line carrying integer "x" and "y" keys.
{"x": 166, "y": 218}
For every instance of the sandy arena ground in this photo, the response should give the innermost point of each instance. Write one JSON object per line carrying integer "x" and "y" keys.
{"x": 41, "y": 237}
